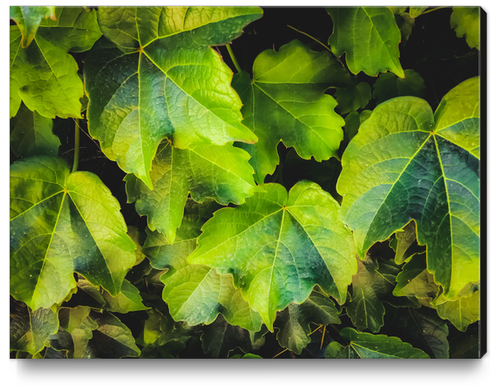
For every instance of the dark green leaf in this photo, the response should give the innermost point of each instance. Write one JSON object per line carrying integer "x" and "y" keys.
{"x": 390, "y": 86}
{"x": 353, "y": 98}
{"x": 28, "y": 20}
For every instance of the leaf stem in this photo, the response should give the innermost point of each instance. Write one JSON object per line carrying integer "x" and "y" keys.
{"x": 431, "y": 10}
{"x": 275, "y": 356}
{"x": 77, "y": 146}
{"x": 233, "y": 58}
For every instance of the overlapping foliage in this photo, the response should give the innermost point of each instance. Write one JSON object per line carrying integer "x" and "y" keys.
{"x": 313, "y": 203}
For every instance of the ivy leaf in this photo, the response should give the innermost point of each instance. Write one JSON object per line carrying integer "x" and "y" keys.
{"x": 53, "y": 87}
{"x": 390, "y": 86}
{"x": 220, "y": 338}
{"x": 160, "y": 78}
{"x": 370, "y": 38}
{"x": 353, "y": 98}
{"x": 294, "y": 322}
{"x": 61, "y": 223}
{"x": 196, "y": 293}
{"x": 373, "y": 284}
{"x": 415, "y": 281}
{"x": 28, "y": 20}
{"x": 278, "y": 247}
{"x": 219, "y": 172}
{"x": 462, "y": 311}
{"x": 362, "y": 345}
{"x": 285, "y": 101}
{"x": 466, "y": 21}
{"x": 403, "y": 166}
{"x": 32, "y": 134}
{"x": 424, "y": 329}
{"x": 29, "y": 330}
{"x": 112, "y": 338}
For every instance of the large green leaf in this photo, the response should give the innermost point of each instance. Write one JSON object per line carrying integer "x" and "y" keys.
{"x": 32, "y": 134}
{"x": 219, "y": 172}
{"x": 29, "y": 330}
{"x": 279, "y": 246}
{"x": 294, "y": 322}
{"x": 61, "y": 223}
{"x": 158, "y": 77}
{"x": 367, "y": 346}
{"x": 53, "y": 87}
{"x": 196, "y": 293}
{"x": 405, "y": 164}
{"x": 466, "y": 21}
{"x": 462, "y": 311}
{"x": 28, "y": 20}
{"x": 285, "y": 101}
{"x": 370, "y": 38}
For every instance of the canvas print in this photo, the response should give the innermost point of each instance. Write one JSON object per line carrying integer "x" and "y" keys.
{"x": 245, "y": 182}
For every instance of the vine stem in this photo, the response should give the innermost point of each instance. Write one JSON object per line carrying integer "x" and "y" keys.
{"x": 431, "y": 10}
{"x": 77, "y": 146}
{"x": 233, "y": 58}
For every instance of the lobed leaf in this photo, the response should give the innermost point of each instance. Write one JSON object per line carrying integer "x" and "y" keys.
{"x": 389, "y": 86}
{"x": 285, "y": 101}
{"x": 370, "y": 38}
{"x": 279, "y": 246}
{"x": 61, "y": 223}
{"x": 466, "y": 21}
{"x": 403, "y": 166}
{"x": 353, "y": 98}
{"x": 28, "y": 20}
{"x": 157, "y": 77}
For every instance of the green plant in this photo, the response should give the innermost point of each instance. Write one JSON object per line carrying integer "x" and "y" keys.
{"x": 310, "y": 203}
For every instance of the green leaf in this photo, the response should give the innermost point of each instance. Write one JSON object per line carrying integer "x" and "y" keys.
{"x": 416, "y": 11}
{"x": 373, "y": 284}
{"x": 246, "y": 356}
{"x": 61, "y": 223}
{"x": 424, "y": 329}
{"x": 279, "y": 246}
{"x": 466, "y": 21}
{"x": 367, "y": 346}
{"x": 196, "y": 293}
{"x": 415, "y": 281}
{"x": 112, "y": 339}
{"x": 160, "y": 78}
{"x": 53, "y": 87}
{"x": 353, "y": 98}
{"x": 403, "y": 166}
{"x": 127, "y": 300}
{"x": 294, "y": 322}
{"x": 405, "y": 243}
{"x": 29, "y": 330}
{"x": 220, "y": 338}
{"x": 466, "y": 345}
{"x": 462, "y": 311}
{"x": 32, "y": 134}
{"x": 353, "y": 121}
{"x": 370, "y": 38}
{"x": 285, "y": 102}
{"x": 397, "y": 9}
{"x": 28, "y": 20}
{"x": 390, "y": 86}
{"x": 219, "y": 172}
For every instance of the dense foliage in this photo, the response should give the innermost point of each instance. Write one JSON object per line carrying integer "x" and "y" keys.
{"x": 321, "y": 200}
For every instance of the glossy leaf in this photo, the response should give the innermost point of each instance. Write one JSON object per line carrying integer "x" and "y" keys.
{"x": 32, "y": 134}
{"x": 390, "y": 86}
{"x": 362, "y": 345}
{"x": 112, "y": 338}
{"x": 53, "y": 87}
{"x": 278, "y": 246}
{"x": 219, "y": 172}
{"x": 160, "y": 78}
{"x": 415, "y": 280}
{"x": 373, "y": 284}
{"x": 460, "y": 312}
{"x": 285, "y": 101}
{"x": 353, "y": 98}
{"x": 466, "y": 22}
{"x": 28, "y": 20}
{"x": 294, "y": 322}
{"x": 61, "y": 223}
{"x": 29, "y": 330}
{"x": 406, "y": 165}
{"x": 370, "y": 38}
{"x": 423, "y": 327}
{"x": 196, "y": 293}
